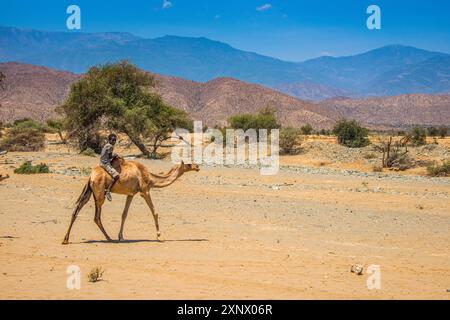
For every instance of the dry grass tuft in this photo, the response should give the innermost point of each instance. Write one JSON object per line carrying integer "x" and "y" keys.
{"x": 96, "y": 274}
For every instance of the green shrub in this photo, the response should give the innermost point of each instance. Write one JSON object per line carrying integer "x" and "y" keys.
{"x": 289, "y": 140}
{"x": 351, "y": 134}
{"x": 27, "y": 123}
{"x": 443, "y": 131}
{"x": 433, "y": 131}
{"x": 418, "y": 136}
{"x": 324, "y": 132}
{"x": 265, "y": 119}
{"x": 307, "y": 129}
{"x": 23, "y": 139}
{"x": 28, "y": 168}
{"x": 439, "y": 170}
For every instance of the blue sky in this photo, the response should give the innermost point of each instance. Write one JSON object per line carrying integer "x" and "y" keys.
{"x": 289, "y": 30}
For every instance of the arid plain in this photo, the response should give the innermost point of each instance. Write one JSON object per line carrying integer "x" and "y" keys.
{"x": 229, "y": 232}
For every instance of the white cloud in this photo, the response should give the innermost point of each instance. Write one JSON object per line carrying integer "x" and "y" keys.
{"x": 166, "y": 4}
{"x": 264, "y": 7}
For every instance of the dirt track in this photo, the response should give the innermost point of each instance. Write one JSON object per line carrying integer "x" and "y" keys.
{"x": 229, "y": 233}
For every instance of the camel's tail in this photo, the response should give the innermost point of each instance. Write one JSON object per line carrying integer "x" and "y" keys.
{"x": 86, "y": 194}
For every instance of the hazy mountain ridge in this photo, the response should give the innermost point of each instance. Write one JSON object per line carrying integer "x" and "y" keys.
{"x": 390, "y": 70}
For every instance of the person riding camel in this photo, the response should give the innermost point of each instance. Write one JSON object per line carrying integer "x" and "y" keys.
{"x": 106, "y": 158}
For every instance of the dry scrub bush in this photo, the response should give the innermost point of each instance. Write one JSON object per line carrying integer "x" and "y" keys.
{"x": 96, "y": 274}
{"x": 377, "y": 168}
{"x": 23, "y": 139}
{"x": 290, "y": 139}
{"x": 395, "y": 153}
{"x": 439, "y": 170}
{"x": 418, "y": 137}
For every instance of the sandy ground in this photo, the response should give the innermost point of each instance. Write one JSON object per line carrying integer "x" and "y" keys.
{"x": 229, "y": 233}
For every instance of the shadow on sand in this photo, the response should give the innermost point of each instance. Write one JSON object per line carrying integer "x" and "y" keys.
{"x": 139, "y": 241}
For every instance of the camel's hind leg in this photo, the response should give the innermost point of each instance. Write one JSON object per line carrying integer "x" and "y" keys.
{"x": 148, "y": 199}
{"x": 80, "y": 205}
{"x": 99, "y": 200}
{"x": 124, "y": 216}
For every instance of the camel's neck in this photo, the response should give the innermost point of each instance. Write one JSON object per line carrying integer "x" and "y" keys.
{"x": 165, "y": 180}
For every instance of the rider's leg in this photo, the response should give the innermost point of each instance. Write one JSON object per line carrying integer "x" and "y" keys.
{"x": 115, "y": 177}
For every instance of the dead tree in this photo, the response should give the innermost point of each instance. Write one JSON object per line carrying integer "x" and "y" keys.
{"x": 394, "y": 151}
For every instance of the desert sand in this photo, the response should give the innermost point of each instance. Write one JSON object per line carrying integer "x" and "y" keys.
{"x": 229, "y": 233}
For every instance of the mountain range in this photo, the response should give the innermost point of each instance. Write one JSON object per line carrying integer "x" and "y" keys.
{"x": 387, "y": 71}
{"x": 35, "y": 91}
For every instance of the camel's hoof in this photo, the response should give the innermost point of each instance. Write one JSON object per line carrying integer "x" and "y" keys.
{"x": 65, "y": 242}
{"x": 121, "y": 239}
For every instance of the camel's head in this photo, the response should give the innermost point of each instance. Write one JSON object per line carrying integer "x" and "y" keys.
{"x": 190, "y": 167}
{"x": 3, "y": 177}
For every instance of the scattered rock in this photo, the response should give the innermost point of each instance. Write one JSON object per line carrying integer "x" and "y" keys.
{"x": 357, "y": 269}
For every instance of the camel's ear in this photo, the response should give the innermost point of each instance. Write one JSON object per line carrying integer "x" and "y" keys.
{"x": 182, "y": 162}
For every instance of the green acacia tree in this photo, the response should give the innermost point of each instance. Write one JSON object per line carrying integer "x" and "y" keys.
{"x": 264, "y": 119}
{"x": 351, "y": 134}
{"x": 119, "y": 97}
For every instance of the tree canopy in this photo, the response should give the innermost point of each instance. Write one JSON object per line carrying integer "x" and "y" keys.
{"x": 264, "y": 119}
{"x": 118, "y": 97}
{"x": 351, "y": 134}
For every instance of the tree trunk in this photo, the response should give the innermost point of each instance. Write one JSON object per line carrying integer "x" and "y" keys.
{"x": 141, "y": 146}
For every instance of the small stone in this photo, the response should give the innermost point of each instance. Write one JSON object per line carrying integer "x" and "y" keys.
{"x": 357, "y": 269}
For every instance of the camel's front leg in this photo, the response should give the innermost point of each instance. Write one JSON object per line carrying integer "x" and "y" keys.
{"x": 148, "y": 199}
{"x": 124, "y": 216}
{"x": 98, "y": 216}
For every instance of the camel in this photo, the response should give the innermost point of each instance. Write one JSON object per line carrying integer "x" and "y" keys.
{"x": 3, "y": 177}
{"x": 134, "y": 178}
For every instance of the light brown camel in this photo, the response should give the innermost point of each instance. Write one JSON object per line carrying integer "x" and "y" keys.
{"x": 134, "y": 178}
{"x": 3, "y": 177}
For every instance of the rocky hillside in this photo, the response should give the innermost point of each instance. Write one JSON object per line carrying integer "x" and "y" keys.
{"x": 401, "y": 111}
{"x": 35, "y": 92}
{"x": 216, "y": 100}
{"x": 32, "y": 91}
